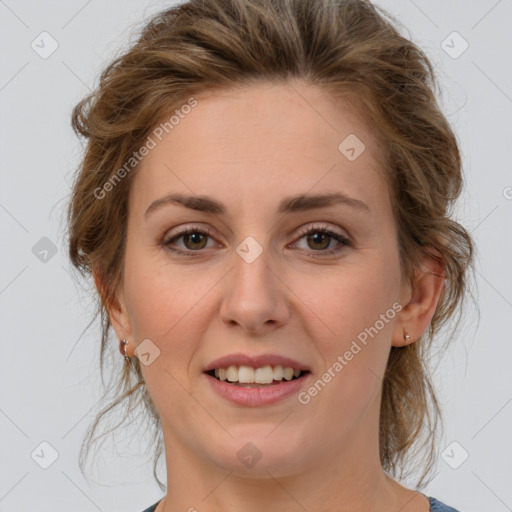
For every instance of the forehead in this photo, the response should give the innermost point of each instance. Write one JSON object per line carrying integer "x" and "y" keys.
{"x": 261, "y": 142}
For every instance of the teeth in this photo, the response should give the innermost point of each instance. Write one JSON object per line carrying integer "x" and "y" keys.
{"x": 232, "y": 374}
{"x": 278, "y": 372}
{"x": 248, "y": 375}
{"x": 264, "y": 375}
{"x": 288, "y": 373}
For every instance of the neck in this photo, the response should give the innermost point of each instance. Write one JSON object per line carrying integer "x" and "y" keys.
{"x": 344, "y": 475}
{"x": 350, "y": 479}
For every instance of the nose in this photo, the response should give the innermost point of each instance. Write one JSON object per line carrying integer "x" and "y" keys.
{"x": 255, "y": 296}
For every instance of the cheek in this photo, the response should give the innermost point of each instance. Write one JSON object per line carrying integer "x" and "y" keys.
{"x": 355, "y": 310}
{"x": 352, "y": 335}
{"x": 354, "y": 298}
{"x": 151, "y": 297}
{"x": 165, "y": 303}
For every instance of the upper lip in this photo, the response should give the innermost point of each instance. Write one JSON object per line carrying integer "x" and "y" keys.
{"x": 255, "y": 361}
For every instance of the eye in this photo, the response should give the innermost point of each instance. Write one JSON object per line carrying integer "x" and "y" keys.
{"x": 194, "y": 239}
{"x": 317, "y": 236}
{"x": 320, "y": 238}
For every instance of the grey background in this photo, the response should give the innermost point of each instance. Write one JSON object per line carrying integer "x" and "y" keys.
{"x": 50, "y": 383}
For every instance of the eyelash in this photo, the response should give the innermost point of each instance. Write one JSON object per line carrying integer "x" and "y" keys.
{"x": 344, "y": 241}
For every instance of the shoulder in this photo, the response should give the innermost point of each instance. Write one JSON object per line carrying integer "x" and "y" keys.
{"x": 152, "y": 508}
{"x": 437, "y": 506}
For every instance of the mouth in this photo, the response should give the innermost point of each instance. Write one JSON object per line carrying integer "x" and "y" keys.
{"x": 260, "y": 377}
{"x": 257, "y": 380}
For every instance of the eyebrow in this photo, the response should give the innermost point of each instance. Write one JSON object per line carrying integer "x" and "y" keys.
{"x": 290, "y": 204}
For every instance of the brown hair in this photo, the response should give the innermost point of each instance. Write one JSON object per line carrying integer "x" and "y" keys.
{"x": 350, "y": 49}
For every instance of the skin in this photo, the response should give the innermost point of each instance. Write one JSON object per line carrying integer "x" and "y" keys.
{"x": 249, "y": 149}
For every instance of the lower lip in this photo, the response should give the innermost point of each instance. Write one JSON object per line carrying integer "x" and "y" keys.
{"x": 257, "y": 396}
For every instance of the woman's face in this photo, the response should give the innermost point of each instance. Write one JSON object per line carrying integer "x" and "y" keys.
{"x": 260, "y": 279}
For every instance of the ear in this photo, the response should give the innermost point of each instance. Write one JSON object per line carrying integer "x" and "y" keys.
{"x": 419, "y": 299}
{"x": 116, "y": 310}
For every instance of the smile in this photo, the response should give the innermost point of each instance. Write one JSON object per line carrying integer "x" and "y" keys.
{"x": 253, "y": 394}
{"x": 264, "y": 376}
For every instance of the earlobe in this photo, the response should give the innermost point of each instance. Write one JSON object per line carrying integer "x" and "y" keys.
{"x": 426, "y": 288}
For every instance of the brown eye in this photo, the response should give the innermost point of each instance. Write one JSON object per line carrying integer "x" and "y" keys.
{"x": 193, "y": 240}
{"x": 319, "y": 238}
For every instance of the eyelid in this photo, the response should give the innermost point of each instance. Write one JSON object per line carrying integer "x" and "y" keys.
{"x": 342, "y": 238}
{"x": 186, "y": 229}
{"x": 306, "y": 228}
{"x": 302, "y": 230}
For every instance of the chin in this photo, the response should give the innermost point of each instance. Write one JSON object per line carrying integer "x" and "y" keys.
{"x": 256, "y": 452}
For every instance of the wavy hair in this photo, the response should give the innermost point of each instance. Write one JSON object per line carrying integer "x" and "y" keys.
{"x": 348, "y": 48}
